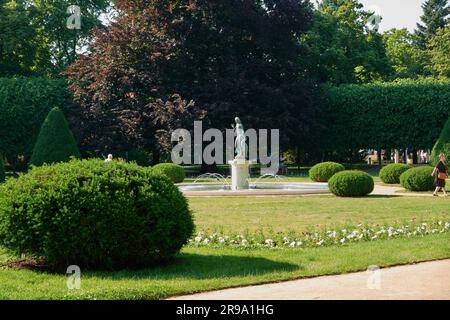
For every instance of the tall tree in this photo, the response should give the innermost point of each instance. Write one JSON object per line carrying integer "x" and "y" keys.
{"x": 341, "y": 48}
{"x": 37, "y": 37}
{"x": 230, "y": 57}
{"x": 18, "y": 47}
{"x": 59, "y": 36}
{"x": 406, "y": 57}
{"x": 439, "y": 50}
{"x": 435, "y": 16}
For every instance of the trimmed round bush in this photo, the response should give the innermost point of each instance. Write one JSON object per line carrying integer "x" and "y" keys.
{"x": 391, "y": 173}
{"x": 97, "y": 215}
{"x": 418, "y": 179}
{"x": 351, "y": 183}
{"x": 322, "y": 172}
{"x": 174, "y": 171}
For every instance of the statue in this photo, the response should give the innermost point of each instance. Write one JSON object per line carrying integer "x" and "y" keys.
{"x": 109, "y": 158}
{"x": 240, "y": 143}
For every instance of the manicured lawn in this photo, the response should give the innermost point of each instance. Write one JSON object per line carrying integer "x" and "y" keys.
{"x": 282, "y": 214}
{"x": 201, "y": 269}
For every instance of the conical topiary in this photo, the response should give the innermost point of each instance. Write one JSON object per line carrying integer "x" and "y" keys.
{"x": 2, "y": 171}
{"x": 442, "y": 144}
{"x": 55, "y": 142}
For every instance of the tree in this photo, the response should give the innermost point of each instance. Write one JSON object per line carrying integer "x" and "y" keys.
{"x": 35, "y": 38}
{"x": 18, "y": 48}
{"x": 439, "y": 50}
{"x": 442, "y": 144}
{"x": 406, "y": 57}
{"x": 57, "y": 42}
{"x": 435, "y": 16}
{"x": 341, "y": 48}
{"x": 55, "y": 142}
{"x": 229, "y": 57}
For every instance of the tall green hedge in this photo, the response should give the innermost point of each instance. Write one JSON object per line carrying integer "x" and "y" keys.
{"x": 24, "y": 104}
{"x": 403, "y": 114}
{"x": 55, "y": 142}
{"x": 442, "y": 144}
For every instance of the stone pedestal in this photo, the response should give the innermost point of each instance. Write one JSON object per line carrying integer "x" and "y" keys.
{"x": 239, "y": 174}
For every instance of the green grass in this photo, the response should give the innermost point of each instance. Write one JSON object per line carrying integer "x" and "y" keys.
{"x": 202, "y": 269}
{"x": 282, "y": 214}
{"x": 198, "y": 269}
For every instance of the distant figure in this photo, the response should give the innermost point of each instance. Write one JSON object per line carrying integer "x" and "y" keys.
{"x": 109, "y": 158}
{"x": 440, "y": 173}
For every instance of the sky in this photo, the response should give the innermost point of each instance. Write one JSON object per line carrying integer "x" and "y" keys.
{"x": 396, "y": 13}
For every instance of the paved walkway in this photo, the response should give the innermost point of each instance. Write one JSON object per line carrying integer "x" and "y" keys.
{"x": 427, "y": 280}
{"x": 394, "y": 191}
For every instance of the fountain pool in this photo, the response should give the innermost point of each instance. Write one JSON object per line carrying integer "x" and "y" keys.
{"x": 255, "y": 189}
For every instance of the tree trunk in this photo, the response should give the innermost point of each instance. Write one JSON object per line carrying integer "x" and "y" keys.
{"x": 415, "y": 159}
{"x": 380, "y": 159}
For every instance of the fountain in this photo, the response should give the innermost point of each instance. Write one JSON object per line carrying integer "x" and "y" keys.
{"x": 240, "y": 175}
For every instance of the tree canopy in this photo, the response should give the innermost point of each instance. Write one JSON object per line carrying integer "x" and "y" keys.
{"x": 230, "y": 57}
{"x": 435, "y": 16}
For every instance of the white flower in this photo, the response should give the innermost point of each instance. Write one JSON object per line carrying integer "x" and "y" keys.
{"x": 221, "y": 240}
{"x": 206, "y": 241}
{"x": 244, "y": 242}
{"x": 343, "y": 240}
{"x": 198, "y": 239}
{"x": 299, "y": 243}
{"x": 269, "y": 242}
{"x": 292, "y": 244}
{"x": 321, "y": 242}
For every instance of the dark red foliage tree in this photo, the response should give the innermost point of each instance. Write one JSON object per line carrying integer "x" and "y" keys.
{"x": 233, "y": 57}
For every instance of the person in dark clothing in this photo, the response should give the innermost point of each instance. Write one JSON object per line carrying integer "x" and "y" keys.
{"x": 440, "y": 173}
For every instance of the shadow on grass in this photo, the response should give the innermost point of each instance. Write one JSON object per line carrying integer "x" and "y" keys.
{"x": 195, "y": 266}
{"x": 384, "y": 196}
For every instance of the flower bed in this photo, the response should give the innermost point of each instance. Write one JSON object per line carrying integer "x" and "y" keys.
{"x": 319, "y": 238}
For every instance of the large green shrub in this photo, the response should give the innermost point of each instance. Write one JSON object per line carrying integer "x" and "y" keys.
{"x": 351, "y": 183}
{"x": 24, "y": 104}
{"x": 384, "y": 115}
{"x": 418, "y": 179}
{"x": 442, "y": 145}
{"x": 95, "y": 214}
{"x": 174, "y": 171}
{"x": 55, "y": 142}
{"x": 391, "y": 173}
{"x": 322, "y": 172}
{"x": 2, "y": 171}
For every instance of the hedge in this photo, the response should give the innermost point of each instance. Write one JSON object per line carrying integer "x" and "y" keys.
{"x": 94, "y": 214}
{"x": 403, "y": 114}
{"x": 24, "y": 104}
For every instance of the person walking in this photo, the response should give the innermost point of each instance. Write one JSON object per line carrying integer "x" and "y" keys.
{"x": 440, "y": 173}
